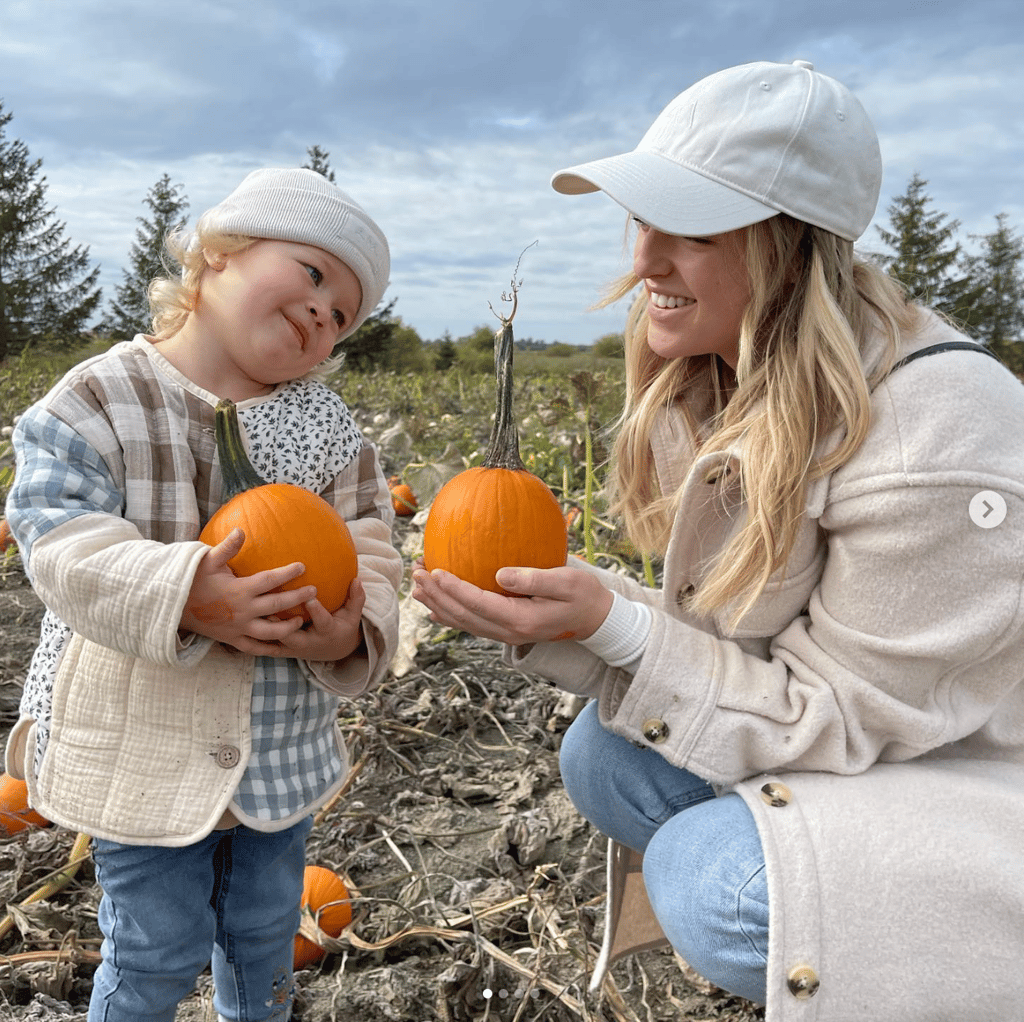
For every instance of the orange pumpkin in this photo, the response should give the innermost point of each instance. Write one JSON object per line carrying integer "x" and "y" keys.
{"x": 326, "y": 896}
{"x": 499, "y": 514}
{"x": 282, "y": 524}
{"x": 6, "y": 536}
{"x": 403, "y": 500}
{"x": 15, "y": 814}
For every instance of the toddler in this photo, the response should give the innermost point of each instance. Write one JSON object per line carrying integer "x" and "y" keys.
{"x": 194, "y": 746}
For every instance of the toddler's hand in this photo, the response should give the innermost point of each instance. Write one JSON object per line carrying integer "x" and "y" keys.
{"x": 239, "y": 612}
{"x": 329, "y": 637}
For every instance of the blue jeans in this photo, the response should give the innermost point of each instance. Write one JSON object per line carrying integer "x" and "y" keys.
{"x": 233, "y": 896}
{"x": 703, "y": 861}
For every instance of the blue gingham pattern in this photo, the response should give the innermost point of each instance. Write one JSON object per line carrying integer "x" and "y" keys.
{"x": 295, "y": 756}
{"x": 152, "y": 459}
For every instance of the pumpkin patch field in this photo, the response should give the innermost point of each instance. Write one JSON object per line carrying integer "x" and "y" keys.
{"x": 468, "y": 888}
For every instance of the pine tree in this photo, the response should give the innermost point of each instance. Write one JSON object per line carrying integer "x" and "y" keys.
{"x": 129, "y": 313}
{"x": 447, "y": 354}
{"x": 47, "y": 291}
{"x": 998, "y": 274}
{"x": 367, "y": 348}
{"x": 926, "y": 258}
{"x": 318, "y": 162}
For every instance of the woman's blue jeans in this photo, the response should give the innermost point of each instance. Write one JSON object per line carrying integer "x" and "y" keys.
{"x": 703, "y": 861}
{"x": 234, "y": 896}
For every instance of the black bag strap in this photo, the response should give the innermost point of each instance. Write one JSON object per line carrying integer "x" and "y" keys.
{"x": 934, "y": 349}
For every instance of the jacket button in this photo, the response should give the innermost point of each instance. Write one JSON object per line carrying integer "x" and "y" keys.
{"x": 776, "y": 794}
{"x": 655, "y": 730}
{"x": 802, "y": 982}
{"x": 227, "y": 756}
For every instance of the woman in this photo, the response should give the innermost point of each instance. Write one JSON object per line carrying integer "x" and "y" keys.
{"x": 808, "y": 747}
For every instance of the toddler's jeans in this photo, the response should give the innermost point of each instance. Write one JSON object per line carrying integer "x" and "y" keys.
{"x": 703, "y": 861}
{"x": 165, "y": 911}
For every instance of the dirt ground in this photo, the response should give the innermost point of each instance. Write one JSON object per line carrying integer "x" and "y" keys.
{"x": 480, "y": 888}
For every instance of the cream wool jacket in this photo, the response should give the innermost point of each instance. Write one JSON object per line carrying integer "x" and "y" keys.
{"x": 869, "y": 710}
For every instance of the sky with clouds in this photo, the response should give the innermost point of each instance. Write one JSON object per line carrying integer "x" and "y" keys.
{"x": 446, "y": 119}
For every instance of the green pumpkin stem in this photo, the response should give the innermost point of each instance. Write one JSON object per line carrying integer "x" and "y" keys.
{"x": 235, "y": 466}
{"x": 503, "y": 450}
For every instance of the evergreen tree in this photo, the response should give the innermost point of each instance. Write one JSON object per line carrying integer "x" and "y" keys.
{"x": 446, "y": 354}
{"x": 384, "y": 342}
{"x": 926, "y": 258}
{"x": 47, "y": 291}
{"x": 318, "y": 162}
{"x": 997, "y": 272}
{"x": 129, "y": 313}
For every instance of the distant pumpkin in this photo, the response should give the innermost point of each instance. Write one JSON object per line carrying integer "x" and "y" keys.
{"x": 403, "y": 500}
{"x": 6, "y": 536}
{"x": 15, "y": 814}
{"x": 326, "y": 896}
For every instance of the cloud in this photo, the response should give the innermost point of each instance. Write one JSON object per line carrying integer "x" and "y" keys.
{"x": 447, "y": 119}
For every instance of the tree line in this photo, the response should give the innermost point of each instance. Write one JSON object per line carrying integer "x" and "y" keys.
{"x": 49, "y": 295}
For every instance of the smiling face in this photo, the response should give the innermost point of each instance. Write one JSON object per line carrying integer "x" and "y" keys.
{"x": 697, "y": 291}
{"x": 266, "y": 314}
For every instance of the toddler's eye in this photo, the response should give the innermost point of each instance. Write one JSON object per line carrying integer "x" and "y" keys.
{"x": 315, "y": 274}
{"x": 339, "y": 317}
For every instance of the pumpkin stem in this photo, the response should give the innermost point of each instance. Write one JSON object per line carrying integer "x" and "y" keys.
{"x": 235, "y": 467}
{"x": 503, "y": 450}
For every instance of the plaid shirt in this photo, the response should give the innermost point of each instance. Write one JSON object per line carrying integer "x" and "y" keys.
{"x": 125, "y": 434}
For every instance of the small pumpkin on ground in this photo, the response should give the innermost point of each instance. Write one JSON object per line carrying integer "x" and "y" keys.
{"x": 499, "y": 514}
{"x": 325, "y": 897}
{"x": 15, "y": 814}
{"x": 282, "y": 523}
{"x": 7, "y": 539}
{"x": 403, "y": 500}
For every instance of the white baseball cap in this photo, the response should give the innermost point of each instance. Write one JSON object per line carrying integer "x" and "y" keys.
{"x": 741, "y": 146}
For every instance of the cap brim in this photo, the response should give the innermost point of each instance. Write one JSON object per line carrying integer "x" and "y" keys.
{"x": 671, "y": 198}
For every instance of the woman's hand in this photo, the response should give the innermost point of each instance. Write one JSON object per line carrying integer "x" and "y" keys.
{"x": 563, "y": 603}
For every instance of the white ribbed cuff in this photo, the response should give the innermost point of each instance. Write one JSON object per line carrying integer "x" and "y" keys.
{"x": 622, "y": 637}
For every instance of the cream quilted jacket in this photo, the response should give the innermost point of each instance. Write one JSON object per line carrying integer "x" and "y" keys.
{"x": 150, "y": 733}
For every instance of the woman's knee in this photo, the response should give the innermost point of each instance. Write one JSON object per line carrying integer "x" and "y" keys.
{"x": 705, "y": 876}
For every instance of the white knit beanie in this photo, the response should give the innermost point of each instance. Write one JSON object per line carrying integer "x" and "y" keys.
{"x": 301, "y": 205}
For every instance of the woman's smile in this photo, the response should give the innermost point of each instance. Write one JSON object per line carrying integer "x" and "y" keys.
{"x": 663, "y": 301}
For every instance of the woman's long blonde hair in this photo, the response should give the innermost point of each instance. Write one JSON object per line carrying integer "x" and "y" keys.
{"x": 799, "y": 378}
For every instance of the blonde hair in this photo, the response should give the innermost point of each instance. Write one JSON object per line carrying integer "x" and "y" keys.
{"x": 173, "y": 297}
{"x": 799, "y": 378}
